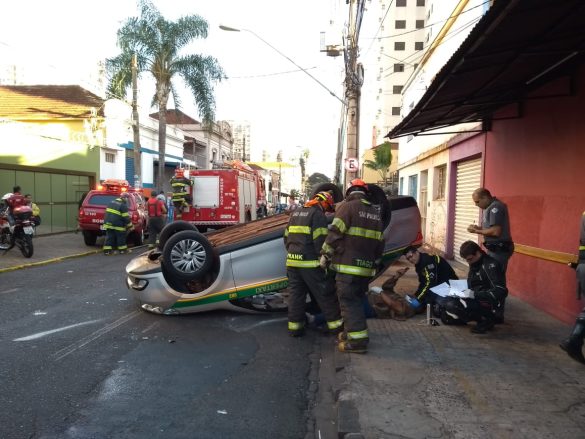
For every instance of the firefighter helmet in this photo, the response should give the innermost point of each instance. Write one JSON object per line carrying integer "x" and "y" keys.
{"x": 325, "y": 200}
{"x": 357, "y": 185}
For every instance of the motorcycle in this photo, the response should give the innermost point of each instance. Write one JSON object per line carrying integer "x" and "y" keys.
{"x": 20, "y": 234}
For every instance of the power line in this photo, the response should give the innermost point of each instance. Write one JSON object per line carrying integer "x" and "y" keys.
{"x": 429, "y": 25}
{"x": 379, "y": 27}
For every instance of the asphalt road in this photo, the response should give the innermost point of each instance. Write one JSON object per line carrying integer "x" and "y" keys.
{"x": 80, "y": 360}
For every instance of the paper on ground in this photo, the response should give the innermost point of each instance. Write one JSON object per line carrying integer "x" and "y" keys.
{"x": 455, "y": 288}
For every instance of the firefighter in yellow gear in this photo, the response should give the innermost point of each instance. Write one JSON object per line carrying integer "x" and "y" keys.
{"x": 303, "y": 239}
{"x": 181, "y": 187}
{"x": 353, "y": 249}
{"x": 116, "y": 224}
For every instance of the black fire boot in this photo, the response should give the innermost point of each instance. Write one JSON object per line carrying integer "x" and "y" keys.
{"x": 574, "y": 344}
{"x": 353, "y": 346}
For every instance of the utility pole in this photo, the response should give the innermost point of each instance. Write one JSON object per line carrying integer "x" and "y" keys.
{"x": 135, "y": 125}
{"x": 354, "y": 78}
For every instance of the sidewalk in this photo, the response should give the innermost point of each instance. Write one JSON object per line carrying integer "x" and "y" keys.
{"x": 420, "y": 381}
{"x": 47, "y": 249}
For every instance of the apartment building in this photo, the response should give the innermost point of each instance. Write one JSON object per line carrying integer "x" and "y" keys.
{"x": 423, "y": 167}
{"x": 392, "y": 43}
{"x": 242, "y": 144}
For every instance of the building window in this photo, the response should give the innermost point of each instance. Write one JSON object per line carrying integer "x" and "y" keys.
{"x": 420, "y": 24}
{"x": 110, "y": 157}
{"x": 399, "y": 45}
{"x": 440, "y": 182}
{"x": 396, "y": 89}
{"x": 413, "y": 186}
{"x": 401, "y": 186}
{"x": 399, "y": 67}
{"x": 420, "y": 2}
{"x": 400, "y": 3}
{"x": 400, "y": 24}
{"x": 395, "y": 111}
{"x": 418, "y": 45}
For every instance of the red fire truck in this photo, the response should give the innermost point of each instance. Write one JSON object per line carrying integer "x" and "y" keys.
{"x": 225, "y": 196}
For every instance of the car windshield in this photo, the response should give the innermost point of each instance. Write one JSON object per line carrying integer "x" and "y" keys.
{"x": 101, "y": 199}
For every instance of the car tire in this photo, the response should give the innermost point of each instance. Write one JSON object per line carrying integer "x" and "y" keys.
{"x": 187, "y": 255}
{"x": 378, "y": 197}
{"x": 89, "y": 238}
{"x": 172, "y": 228}
{"x": 332, "y": 187}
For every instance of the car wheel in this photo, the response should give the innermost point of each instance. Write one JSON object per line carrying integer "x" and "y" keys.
{"x": 172, "y": 228}
{"x": 89, "y": 238}
{"x": 187, "y": 255}
{"x": 379, "y": 198}
{"x": 332, "y": 187}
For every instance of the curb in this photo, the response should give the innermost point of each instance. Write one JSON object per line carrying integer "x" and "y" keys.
{"x": 348, "y": 418}
{"x": 48, "y": 261}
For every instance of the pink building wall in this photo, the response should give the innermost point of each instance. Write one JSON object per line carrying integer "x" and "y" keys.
{"x": 536, "y": 164}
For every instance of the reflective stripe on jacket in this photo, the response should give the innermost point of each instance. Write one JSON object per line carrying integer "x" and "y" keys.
{"x": 432, "y": 270}
{"x": 304, "y": 237}
{"x": 180, "y": 188}
{"x": 355, "y": 240}
{"x": 117, "y": 216}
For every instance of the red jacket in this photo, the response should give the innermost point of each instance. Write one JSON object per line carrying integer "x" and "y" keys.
{"x": 16, "y": 200}
{"x": 156, "y": 207}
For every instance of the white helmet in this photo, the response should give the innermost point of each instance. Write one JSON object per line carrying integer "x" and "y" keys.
{"x": 7, "y": 196}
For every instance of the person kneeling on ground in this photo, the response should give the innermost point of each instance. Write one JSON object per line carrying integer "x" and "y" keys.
{"x": 432, "y": 270}
{"x": 487, "y": 281}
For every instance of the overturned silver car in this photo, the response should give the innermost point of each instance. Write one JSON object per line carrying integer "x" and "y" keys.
{"x": 241, "y": 267}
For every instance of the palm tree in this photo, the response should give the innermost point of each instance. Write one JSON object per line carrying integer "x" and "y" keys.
{"x": 382, "y": 160}
{"x": 157, "y": 44}
{"x": 303, "y": 164}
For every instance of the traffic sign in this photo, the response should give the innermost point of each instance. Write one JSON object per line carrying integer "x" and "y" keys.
{"x": 352, "y": 164}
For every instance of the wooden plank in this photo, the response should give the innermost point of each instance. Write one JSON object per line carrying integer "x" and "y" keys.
{"x": 242, "y": 232}
{"x": 548, "y": 255}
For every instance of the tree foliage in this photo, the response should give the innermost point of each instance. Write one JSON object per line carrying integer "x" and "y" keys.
{"x": 317, "y": 178}
{"x": 382, "y": 160}
{"x": 158, "y": 44}
{"x": 295, "y": 193}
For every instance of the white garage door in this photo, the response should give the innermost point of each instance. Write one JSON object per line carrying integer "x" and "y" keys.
{"x": 466, "y": 212}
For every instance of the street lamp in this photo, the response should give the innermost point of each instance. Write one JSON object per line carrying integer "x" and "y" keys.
{"x": 233, "y": 29}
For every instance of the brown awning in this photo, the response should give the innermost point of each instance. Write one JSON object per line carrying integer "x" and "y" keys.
{"x": 517, "y": 46}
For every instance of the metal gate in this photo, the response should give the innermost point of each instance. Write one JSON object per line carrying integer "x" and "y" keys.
{"x": 466, "y": 212}
{"x": 57, "y": 194}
